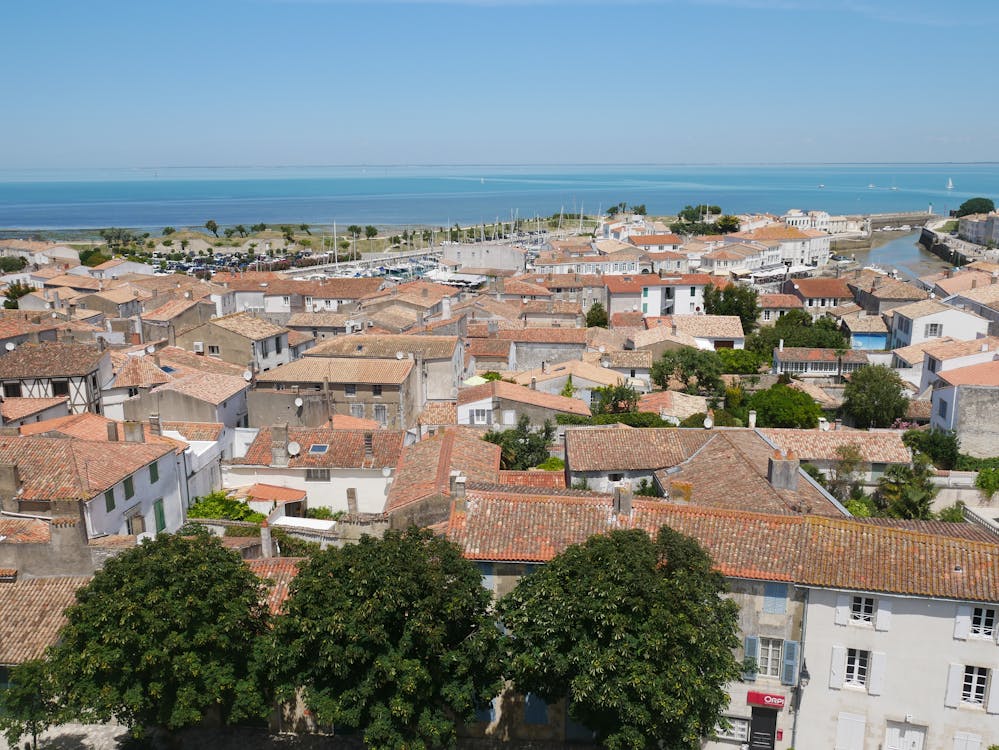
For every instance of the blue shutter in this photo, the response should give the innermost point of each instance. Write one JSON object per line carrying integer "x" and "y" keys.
{"x": 535, "y": 710}
{"x": 751, "y": 647}
{"x": 789, "y": 669}
{"x": 775, "y": 598}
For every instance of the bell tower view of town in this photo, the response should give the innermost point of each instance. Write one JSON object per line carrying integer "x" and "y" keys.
{"x": 499, "y": 375}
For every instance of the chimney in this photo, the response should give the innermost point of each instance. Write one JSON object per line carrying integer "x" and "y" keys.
{"x": 974, "y": 283}
{"x": 155, "y": 426}
{"x": 279, "y": 445}
{"x": 456, "y": 489}
{"x": 752, "y": 419}
{"x": 112, "y": 432}
{"x": 369, "y": 451}
{"x": 782, "y": 471}
{"x": 424, "y": 292}
{"x": 352, "y": 501}
{"x": 534, "y": 383}
{"x": 838, "y": 424}
{"x": 446, "y": 308}
{"x": 492, "y": 327}
{"x": 134, "y": 432}
{"x": 780, "y": 346}
{"x": 67, "y": 531}
{"x": 622, "y": 499}
{"x": 266, "y": 546}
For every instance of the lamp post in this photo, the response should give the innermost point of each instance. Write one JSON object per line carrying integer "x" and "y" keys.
{"x": 803, "y": 679}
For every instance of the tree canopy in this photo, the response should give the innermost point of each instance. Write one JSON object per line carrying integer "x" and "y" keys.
{"x": 696, "y": 370}
{"x": 596, "y": 316}
{"x": 874, "y": 397}
{"x": 212, "y": 226}
{"x": 616, "y": 399}
{"x": 783, "y": 406}
{"x": 976, "y": 206}
{"x": 27, "y": 704}
{"x": 735, "y": 299}
{"x": 162, "y": 635}
{"x": 521, "y": 447}
{"x": 907, "y": 492}
{"x": 797, "y": 328}
{"x": 635, "y": 633}
{"x": 393, "y": 637}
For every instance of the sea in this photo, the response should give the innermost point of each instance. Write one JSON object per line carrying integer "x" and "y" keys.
{"x": 437, "y": 196}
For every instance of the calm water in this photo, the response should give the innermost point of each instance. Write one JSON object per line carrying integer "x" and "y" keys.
{"x": 903, "y": 254}
{"x": 436, "y": 196}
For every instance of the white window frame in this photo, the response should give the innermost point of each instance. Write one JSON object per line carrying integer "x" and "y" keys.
{"x": 862, "y": 609}
{"x": 983, "y": 622}
{"x": 974, "y": 687}
{"x": 480, "y": 416}
{"x": 738, "y": 731}
{"x": 769, "y": 661}
{"x": 858, "y": 666}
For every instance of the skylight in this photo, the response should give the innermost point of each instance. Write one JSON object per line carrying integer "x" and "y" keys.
{"x": 318, "y": 448}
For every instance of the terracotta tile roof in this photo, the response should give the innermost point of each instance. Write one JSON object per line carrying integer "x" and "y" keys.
{"x": 11, "y": 326}
{"x": 809, "y": 354}
{"x": 271, "y": 284}
{"x": 984, "y": 295}
{"x": 578, "y": 369}
{"x": 657, "y": 334}
{"x": 673, "y": 403}
{"x": 774, "y": 232}
{"x": 551, "y": 307}
{"x": 523, "y": 288}
{"x": 985, "y": 374}
{"x": 970, "y": 531}
{"x": 616, "y": 449}
{"x": 24, "y": 531}
{"x": 170, "y": 310}
{"x": 518, "y": 393}
{"x": 347, "y": 422}
{"x": 13, "y": 409}
{"x": 440, "y": 413}
{"x": 633, "y": 283}
{"x": 422, "y": 292}
{"x": 780, "y": 301}
{"x": 544, "y": 335}
{"x": 31, "y": 615}
{"x": 811, "y": 445}
{"x": 393, "y": 317}
{"x": 297, "y": 338}
{"x": 200, "y": 431}
{"x": 425, "y": 468}
{"x": 828, "y": 288}
{"x": 643, "y": 240}
{"x": 122, "y": 294}
{"x": 913, "y": 354}
{"x": 93, "y": 427}
{"x": 319, "y": 320}
{"x": 270, "y": 492}
{"x": 340, "y": 370}
{"x": 386, "y": 346}
{"x": 627, "y": 359}
{"x": 481, "y": 330}
{"x": 345, "y": 449}
{"x": 859, "y": 322}
{"x": 534, "y": 478}
{"x": 139, "y": 372}
{"x": 927, "y": 307}
{"x": 248, "y": 326}
{"x": 205, "y": 386}
{"x": 627, "y": 320}
{"x": 482, "y": 348}
{"x": 964, "y": 281}
{"x": 50, "y": 359}
{"x": 494, "y": 309}
{"x": 277, "y": 573}
{"x": 700, "y": 326}
{"x": 72, "y": 469}
{"x": 185, "y": 363}
{"x": 564, "y": 280}
{"x": 82, "y": 283}
{"x": 889, "y": 289}
{"x": 944, "y": 350}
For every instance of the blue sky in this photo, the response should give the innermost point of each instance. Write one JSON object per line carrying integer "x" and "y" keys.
{"x": 314, "y": 82}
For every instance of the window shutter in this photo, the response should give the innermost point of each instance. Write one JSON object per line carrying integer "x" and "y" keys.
{"x": 876, "y": 677}
{"x": 837, "y": 667}
{"x": 751, "y": 646}
{"x": 992, "y": 703}
{"x": 955, "y": 678}
{"x": 967, "y": 741}
{"x": 842, "y": 609}
{"x": 789, "y": 669}
{"x": 962, "y": 623}
{"x": 882, "y": 621}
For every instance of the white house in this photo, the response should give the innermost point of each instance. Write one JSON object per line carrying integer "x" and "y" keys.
{"x": 966, "y": 400}
{"x": 949, "y": 355}
{"x": 930, "y": 319}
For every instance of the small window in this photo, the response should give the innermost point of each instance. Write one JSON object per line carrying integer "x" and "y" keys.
{"x": 109, "y": 500}
{"x": 942, "y": 409}
{"x": 975, "y": 681}
{"x": 480, "y": 416}
{"x": 133, "y": 392}
{"x": 214, "y": 351}
{"x": 768, "y": 663}
{"x": 357, "y": 410}
{"x": 318, "y": 448}
{"x": 983, "y": 622}
{"x": 277, "y": 344}
{"x": 12, "y": 390}
{"x": 350, "y": 389}
{"x": 738, "y": 730}
{"x": 317, "y": 475}
{"x": 60, "y": 387}
{"x": 615, "y": 477}
{"x": 129, "y": 488}
{"x": 154, "y": 472}
{"x": 381, "y": 414}
{"x": 862, "y": 609}
{"x": 775, "y": 598}
{"x": 856, "y": 667}
{"x": 376, "y": 390}
{"x": 933, "y": 330}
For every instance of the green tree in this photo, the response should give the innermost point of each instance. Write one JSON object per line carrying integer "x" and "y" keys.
{"x": 741, "y": 361}
{"x": 241, "y": 230}
{"x": 568, "y": 390}
{"x": 636, "y": 635}
{"x": 28, "y": 705}
{"x": 616, "y": 399}
{"x": 116, "y": 237}
{"x": 229, "y": 232}
{"x": 212, "y": 227}
{"x": 163, "y": 635}
{"x": 184, "y": 244}
{"x": 354, "y": 231}
{"x": 93, "y": 257}
{"x": 942, "y": 446}
{"x": 219, "y": 504}
{"x": 596, "y": 316}
{"x": 844, "y": 482}
{"x": 305, "y": 228}
{"x": 12, "y": 263}
{"x": 976, "y": 206}
{"x": 167, "y": 231}
{"x": 14, "y": 292}
{"x": 907, "y": 491}
{"x": 521, "y": 447}
{"x": 734, "y": 299}
{"x": 390, "y": 637}
{"x": 784, "y": 406}
{"x": 370, "y": 233}
{"x": 987, "y": 482}
{"x": 874, "y": 397}
{"x": 696, "y": 370}
{"x": 261, "y": 227}
{"x": 727, "y": 224}
{"x": 796, "y": 328}
{"x": 953, "y": 513}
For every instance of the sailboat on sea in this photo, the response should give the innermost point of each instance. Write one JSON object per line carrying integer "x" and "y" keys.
{"x": 950, "y": 184}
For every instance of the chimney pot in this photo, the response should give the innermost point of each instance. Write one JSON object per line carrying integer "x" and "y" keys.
{"x": 279, "y": 444}
{"x": 112, "y": 432}
{"x": 752, "y": 419}
{"x": 155, "y": 425}
{"x": 134, "y": 432}
{"x": 622, "y": 499}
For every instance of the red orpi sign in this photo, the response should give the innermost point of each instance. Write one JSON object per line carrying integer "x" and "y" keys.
{"x": 770, "y": 700}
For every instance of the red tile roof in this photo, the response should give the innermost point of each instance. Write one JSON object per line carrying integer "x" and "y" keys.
{"x": 534, "y": 478}
{"x": 822, "y": 288}
{"x": 816, "y": 445}
{"x": 617, "y": 448}
{"x": 642, "y": 240}
{"x": 780, "y": 301}
{"x": 277, "y": 574}
{"x": 270, "y": 492}
{"x": 50, "y": 359}
{"x": 345, "y": 449}
{"x": 985, "y": 374}
{"x": 518, "y": 393}
{"x": 807, "y": 354}
{"x": 31, "y": 615}
{"x": 14, "y": 409}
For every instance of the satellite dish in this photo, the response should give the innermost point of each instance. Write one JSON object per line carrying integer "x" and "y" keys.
{"x": 294, "y": 448}
{"x": 10, "y": 346}
{"x": 386, "y": 471}
{"x": 604, "y": 363}
{"x": 709, "y": 422}
{"x": 247, "y": 375}
{"x": 299, "y": 402}
{"x": 400, "y": 355}
{"x": 150, "y": 349}
{"x": 602, "y": 348}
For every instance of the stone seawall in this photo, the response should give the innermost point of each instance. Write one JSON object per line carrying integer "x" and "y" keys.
{"x": 936, "y": 245}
